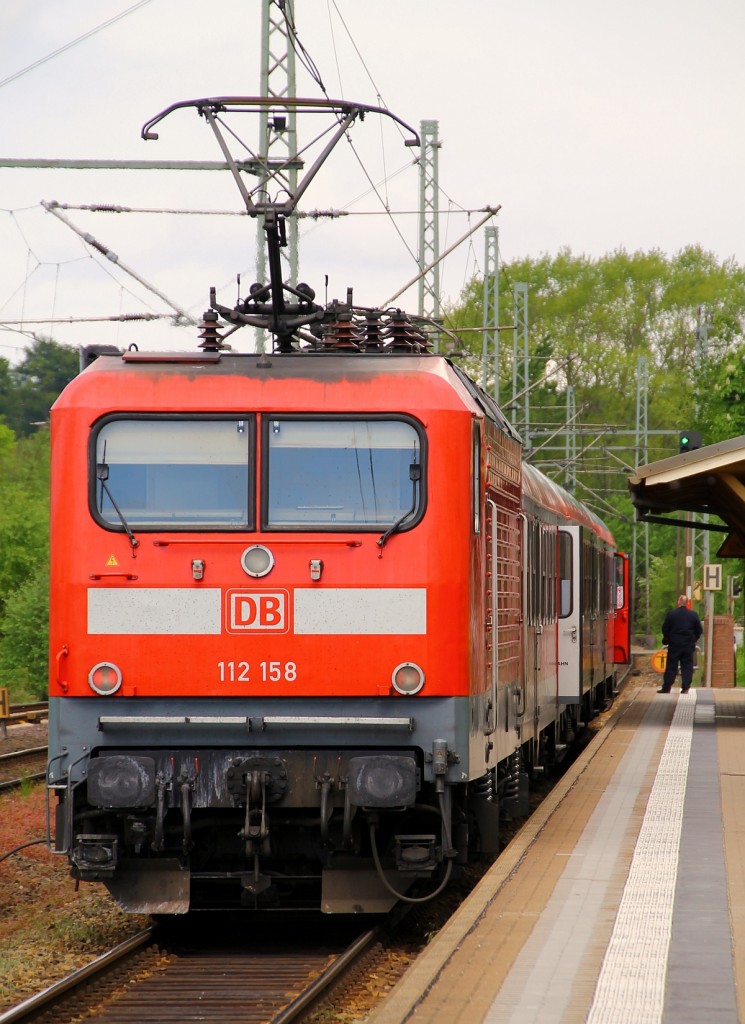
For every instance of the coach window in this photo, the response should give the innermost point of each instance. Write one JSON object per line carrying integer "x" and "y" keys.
{"x": 553, "y": 562}
{"x": 173, "y": 473}
{"x": 341, "y": 473}
{"x": 585, "y": 563}
{"x": 619, "y": 596}
{"x": 548, "y": 570}
{"x": 565, "y": 574}
{"x": 607, "y": 595}
{"x": 533, "y": 572}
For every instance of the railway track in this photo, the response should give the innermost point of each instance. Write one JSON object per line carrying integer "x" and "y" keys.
{"x": 33, "y": 712}
{"x": 229, "y": 969}
{"x": 21, "y": 766}
{"x": 213, "y": 976}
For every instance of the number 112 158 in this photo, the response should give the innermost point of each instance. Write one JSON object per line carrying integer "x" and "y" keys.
{"x": 264, "y": 671}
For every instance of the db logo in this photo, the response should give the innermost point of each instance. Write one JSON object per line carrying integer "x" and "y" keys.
{"x": 257, "y": 611}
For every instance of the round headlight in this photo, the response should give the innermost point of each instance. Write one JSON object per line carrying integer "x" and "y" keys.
{"x": 407, "y": 678}
{"x": 257, "y": 560}
{"x": 104, "y": 678}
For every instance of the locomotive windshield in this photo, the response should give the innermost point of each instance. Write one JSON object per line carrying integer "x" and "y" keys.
{"x": 349, "y": 473}
{"x": 175, "y": 473}
{"x": 199, "y": 473}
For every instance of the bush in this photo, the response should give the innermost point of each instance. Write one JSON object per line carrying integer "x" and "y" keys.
{"x": 24, "y": 639}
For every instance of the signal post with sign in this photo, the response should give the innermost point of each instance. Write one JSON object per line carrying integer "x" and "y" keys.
{"x": 712, "y": 581}
{"x": 719, "y": 633}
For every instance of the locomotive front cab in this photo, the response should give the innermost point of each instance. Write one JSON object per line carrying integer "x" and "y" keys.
{"x": 261, "y": 667}
{"x": 286, "y": 657}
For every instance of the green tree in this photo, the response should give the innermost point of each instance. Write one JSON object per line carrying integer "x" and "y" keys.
{"x": 600, "y": 315}
{"x": 24, "y": 508}
{"x": 28, "y": 391}
{"x": 9, "y": 397}
{"x": 722, "y": 392}
{"x": 24, "y": 543}
{"x": 591, "y": 322}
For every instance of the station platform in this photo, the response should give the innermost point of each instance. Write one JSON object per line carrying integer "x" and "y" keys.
{"x": 622, "y": 901}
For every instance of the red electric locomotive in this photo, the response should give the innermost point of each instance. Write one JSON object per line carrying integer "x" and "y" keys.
{"x": 313, "y": 622}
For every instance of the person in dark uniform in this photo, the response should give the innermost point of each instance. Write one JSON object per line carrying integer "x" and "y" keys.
{"x": 680, "y": 631}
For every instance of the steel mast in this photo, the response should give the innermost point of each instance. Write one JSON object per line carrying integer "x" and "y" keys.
{"x": 429, "y": 225}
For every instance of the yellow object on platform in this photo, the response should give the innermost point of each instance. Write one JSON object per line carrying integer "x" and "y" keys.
{"x": 659, "y": 660}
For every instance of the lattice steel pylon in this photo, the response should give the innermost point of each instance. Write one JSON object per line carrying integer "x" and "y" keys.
{"x": 490, "y": 341}
{"x": 278, "y": 131}
{"x": 521, "y": 364}
{"x": 429, "y": 224}
{"x": 641, "y": 448}
{"x": 703, "y": 322}
{"x": 570, "y": 471}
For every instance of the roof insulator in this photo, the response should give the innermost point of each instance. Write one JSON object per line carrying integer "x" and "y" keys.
{"x": 212, "y": 340}
{"x": 401, "y": 335}
{"x": 343, "y": 333}
{"x": 373, "y": 330}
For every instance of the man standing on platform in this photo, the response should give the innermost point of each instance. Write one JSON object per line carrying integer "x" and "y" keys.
{"x": 680, "y": 631}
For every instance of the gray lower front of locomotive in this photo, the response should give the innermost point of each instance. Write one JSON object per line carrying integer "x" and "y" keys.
{"x": 349, "y": 755}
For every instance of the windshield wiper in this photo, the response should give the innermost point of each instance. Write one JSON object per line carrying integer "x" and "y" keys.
{"x": 415, "y": 475}
{"x": 102, "y": 474}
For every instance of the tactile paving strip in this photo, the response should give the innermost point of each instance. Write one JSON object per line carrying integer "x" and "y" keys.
{"x": 631, "y": 984}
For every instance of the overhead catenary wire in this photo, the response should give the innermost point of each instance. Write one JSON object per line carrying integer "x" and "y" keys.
{"x": 491, "y": 211}
{"x": 313, "y": 70}
{"x": 112, "y": 256}
{"x": 88, "y": 319}
{"x": 315, "y": 73}
{"x": 71, "y": 43}
{"x": 303, "y": 214}
{"x": 303, "y": 55}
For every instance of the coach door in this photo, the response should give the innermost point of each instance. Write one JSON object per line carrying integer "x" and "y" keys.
{"x": 570, "y": 635}
{"x": 621, "y": 611}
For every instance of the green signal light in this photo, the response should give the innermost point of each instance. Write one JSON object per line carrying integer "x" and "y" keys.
{"x": 689, "y": 440}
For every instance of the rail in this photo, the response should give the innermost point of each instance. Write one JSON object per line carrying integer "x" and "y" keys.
{"x": 34, "y": 1004}
{"x": 318, "y": 987}
{"x": 13, "y": 760}
{"x": 28, "y": 712}
{"x": 217, "y": 998}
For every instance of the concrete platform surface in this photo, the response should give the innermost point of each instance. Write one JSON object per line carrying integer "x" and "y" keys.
{"x": 622, "y": 901}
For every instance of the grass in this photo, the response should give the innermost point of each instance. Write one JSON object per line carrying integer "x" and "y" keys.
{"x": 27, "y": 785}
{"x": 22, "y": 690}
{"x": 740, "y": 667}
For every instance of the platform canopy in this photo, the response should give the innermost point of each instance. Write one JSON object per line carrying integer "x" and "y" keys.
{"x": 708, "y": 481}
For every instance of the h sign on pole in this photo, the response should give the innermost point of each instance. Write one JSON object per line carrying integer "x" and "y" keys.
{"x": 712, "y": 577}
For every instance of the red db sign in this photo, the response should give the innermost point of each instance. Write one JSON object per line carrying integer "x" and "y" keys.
{"x": 262, "y": 611}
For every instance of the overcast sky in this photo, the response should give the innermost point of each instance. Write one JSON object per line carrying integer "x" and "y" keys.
{"x": 595, "y": 125}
